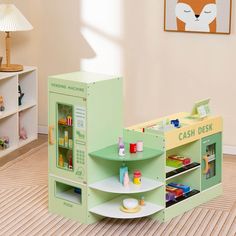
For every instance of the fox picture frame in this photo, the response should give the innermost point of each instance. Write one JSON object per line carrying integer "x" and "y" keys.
{"x": 198, "y": 16}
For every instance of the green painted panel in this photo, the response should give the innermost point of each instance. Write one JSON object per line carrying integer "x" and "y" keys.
{"x": 63, "y": 199}
{"x": 149, "y": 140}
{"x": 71, "y": 88}
{"x": 191, "y": 178}
{"x": 191, "y": 150}
{"x": 111, "y": 153}
{"x": 212, "y": 146}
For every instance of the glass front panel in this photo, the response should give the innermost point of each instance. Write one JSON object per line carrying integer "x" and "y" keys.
{"x": 64, "y": 136}
{"x": 211, "y": 154}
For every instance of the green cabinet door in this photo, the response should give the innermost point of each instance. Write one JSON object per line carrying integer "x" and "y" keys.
{"x": 211, "y": 160}
{"x": 67, "y": 152}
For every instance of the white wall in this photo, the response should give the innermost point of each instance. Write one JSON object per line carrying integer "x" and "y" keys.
{"x": 164, "y": 72}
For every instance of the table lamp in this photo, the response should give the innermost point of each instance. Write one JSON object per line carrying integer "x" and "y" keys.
{"x": 11, "y": 19}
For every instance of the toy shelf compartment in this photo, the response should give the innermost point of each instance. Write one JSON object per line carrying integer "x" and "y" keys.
{"x": 68, "y": 193}
{"x": 111, "y": 209}
{"x": 8, "y": 91}
{"x": 28, "y": 120}
{"x": 28, "y": 85}
{"x": 112, "y": 185}
{"x": 191, "y": 193}
{"x": 190, "y": 150}
{"x": 9, "y": 128}
{"x": 111, "y": 153}
{"x": 192, "y": 179}
{"x": 172, "y": 172}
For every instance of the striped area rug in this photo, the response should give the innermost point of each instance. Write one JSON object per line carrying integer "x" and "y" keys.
{"x": 23, "y": 207}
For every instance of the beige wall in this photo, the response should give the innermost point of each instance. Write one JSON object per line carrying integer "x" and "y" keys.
{"x": 164, "y": 72}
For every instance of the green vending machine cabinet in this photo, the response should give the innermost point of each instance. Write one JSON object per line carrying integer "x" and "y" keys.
{"x": 85, "y": 114}
{"x": 211, "y": 160}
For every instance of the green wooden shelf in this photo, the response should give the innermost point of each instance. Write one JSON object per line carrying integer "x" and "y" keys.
{"x": 111, "y": 153}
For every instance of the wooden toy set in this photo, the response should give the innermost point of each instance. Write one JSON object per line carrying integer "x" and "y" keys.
{"x": 97, "y": 169}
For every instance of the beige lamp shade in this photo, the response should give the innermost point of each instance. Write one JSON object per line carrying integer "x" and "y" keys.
{"x": 11, "y": 19}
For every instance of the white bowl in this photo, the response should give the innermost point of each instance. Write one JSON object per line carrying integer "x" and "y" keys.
{"x": 130, "y": 203}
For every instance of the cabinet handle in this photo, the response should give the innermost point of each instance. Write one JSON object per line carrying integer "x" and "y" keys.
{"x": 50, "y": 134}
{"x": 205, "y": 158}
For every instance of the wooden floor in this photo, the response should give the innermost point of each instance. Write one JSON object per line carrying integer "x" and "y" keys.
{"x": 42, "y": 138}
{"x": 24, "y": 205}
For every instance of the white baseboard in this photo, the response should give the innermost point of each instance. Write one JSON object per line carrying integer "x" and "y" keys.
{"x": 42, "y": 129}
{"x": 231, "y": 150}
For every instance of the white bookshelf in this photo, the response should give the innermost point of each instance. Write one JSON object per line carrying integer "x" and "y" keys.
{"x": 27, "y": 112}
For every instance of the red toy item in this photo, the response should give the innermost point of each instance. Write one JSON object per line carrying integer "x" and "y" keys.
{"x": 177, "y": 192}
{"x": 137, "y": 177}
{"x": 69, "y": 120}
{"x": 70, "y": 162}
{"x": 184, "y": 160}
{"x": 133, "y": 147}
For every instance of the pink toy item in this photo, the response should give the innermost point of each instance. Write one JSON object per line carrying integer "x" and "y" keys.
{"x": 126, "y": 179}
{"x": 22, "y": 131}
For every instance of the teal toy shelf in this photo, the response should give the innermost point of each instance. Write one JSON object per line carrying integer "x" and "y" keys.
{"x": 111, "y": 153}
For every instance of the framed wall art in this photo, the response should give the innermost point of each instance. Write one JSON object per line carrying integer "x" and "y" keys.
{"x": 206, "y": 16}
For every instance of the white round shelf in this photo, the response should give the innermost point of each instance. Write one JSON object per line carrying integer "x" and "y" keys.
{"x": 112, "y": 185}
{"x": 111, "y": 209}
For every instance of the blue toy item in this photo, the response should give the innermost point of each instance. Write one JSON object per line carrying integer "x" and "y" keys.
{"x": 123, "y": 170}
{"x": 185, "y": 188}
{"x": 176, "y": 123}
{"x": 77, "y": 190}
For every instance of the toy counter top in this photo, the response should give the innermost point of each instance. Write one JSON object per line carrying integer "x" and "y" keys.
{"x": 181, "y": 128}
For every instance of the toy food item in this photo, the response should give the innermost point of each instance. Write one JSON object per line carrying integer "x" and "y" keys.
{"x": 123, "y": 170}
{"x": 126, "y": 179}
{"x": 61, "y": 161}
{"x": 70, "y": 161}
{"x": 133, "y": 148}
{"x": 137, "y": 177}
{"x": 62, "y": 121}
{"x": 121, "y": 150}
{"x": 69, "y": 120}
{"x": 170, "y": 196}
{"x": 61, "y": 141}
{"x": 174, "y": 163}
{"x": 70, "y": 143}
{"x": 141, "y": 201}
{"x": 139, "y": 146}
{"x": 185, "y": 188}
{"x": 66, "y": 138}
{"x": 184, "y": 160}
{"x": 130, "y": 203}
{"x": 177, "y": 192}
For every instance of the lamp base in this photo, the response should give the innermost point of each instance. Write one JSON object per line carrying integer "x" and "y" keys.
{"x": 11, "y": 68}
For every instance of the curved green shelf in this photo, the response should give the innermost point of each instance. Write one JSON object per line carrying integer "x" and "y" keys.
{"x": 111, "y": 153}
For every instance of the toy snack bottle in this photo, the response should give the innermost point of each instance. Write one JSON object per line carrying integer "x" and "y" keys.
{"x": 66, "y": 139}
{"x": 61, "y": 161}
